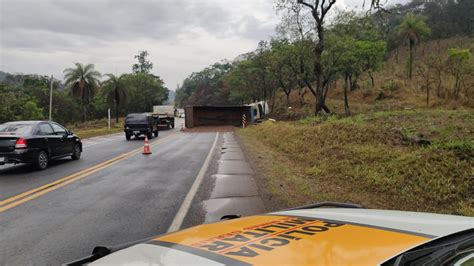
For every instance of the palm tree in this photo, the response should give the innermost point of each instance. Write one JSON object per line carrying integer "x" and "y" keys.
{"x": 115, "y": 91}
{"x": 413, "y": 28}
{"x": 83, "y": 82}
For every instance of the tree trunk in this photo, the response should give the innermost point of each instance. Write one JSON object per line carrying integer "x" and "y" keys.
{"x": 410, "y": 60}
{"x": 302, "y": 93}
{"x": 117, "y": 101}
{"x": 346, "y": 100}
{"x": 84, "y": 111}
{"x": 428, "y": 95}
{"x": 438, "y": 88}
{"x": 116, "y": 113}
{"x": 372, "y": 79}
{"x": 396, "y": 55}
{"x": 273, "y": 100}
{"x": 456, "y": 88}
{"x": 287, "y": 99}
{"x": 351, "y": 83}
{"x": 318, "y": 71}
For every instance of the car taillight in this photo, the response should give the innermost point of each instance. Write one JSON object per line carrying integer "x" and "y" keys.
{"x": 20, "y": 143}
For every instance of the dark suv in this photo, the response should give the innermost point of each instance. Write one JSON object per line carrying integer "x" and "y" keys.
{"x": 140, "y": 124}
{"x": 37, "y": 142}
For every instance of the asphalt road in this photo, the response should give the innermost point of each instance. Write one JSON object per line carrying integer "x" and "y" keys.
{"x": 130, "y": 197}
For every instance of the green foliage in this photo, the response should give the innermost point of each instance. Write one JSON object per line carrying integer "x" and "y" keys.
{"x": 459, "y": 65}
{"x": 413, "y": 28}
{"x": 83, "y": 81}
{"x": 145, "y": 91}
{"x": 115, "y": 91}
{"x": 31, "y": 111}
{"x": 143, "y": 66}
{"x": 18, "y": 90}
{"x": 205, "y": 87}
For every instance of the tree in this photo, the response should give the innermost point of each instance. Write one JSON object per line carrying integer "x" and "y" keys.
{"x": 425, "y": 72}
{"x": 458, "y": 65}
{"x": 413, "y": 28}
{"x": 144, "y": 92}
{"x": 143, "y": 66}
{"x": 297, "y": 28}
{"x": 244, "y": 82}
{"x": 115, "y": 91}
{"x": 319, "y": 10}
{"x": 83, "y": 82}
{"x": 205, "y": 87}
{"x": 31, "y": 111}
{"x": 279, "y": 58}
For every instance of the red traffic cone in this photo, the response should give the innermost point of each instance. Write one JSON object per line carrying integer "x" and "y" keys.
{"x": 146, "y": 147}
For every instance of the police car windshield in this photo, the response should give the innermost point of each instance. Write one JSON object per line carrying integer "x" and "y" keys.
{"x": 458, "y": 247}
{"x": 15, "y": 129}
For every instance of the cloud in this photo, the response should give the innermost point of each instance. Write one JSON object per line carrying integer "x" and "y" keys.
{"x": 182, "y": 36}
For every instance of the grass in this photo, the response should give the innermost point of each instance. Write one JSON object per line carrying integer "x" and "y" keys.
{"x": 96, "y": 128}
{"x": 365, "y": 159}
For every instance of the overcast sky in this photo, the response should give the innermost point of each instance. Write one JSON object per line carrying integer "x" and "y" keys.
{"x": 182, "y": 36}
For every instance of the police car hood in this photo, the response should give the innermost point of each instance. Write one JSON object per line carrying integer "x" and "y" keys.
{"x": 297, "y": 237}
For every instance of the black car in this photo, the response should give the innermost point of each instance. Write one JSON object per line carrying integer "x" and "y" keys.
{"x": 37, "y": 142}
{"x": 140, "y": 124}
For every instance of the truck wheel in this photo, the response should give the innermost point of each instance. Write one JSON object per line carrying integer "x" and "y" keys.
{"x": 128, "y": 137}
{"x": 172, "y": 125}
{"x": 42, "y": 160}
{"x": 156, "y": 133}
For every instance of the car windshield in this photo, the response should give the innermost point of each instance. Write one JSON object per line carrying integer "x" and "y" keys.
{"x": 15, "y": 129}
{"x": 136, "y": 118}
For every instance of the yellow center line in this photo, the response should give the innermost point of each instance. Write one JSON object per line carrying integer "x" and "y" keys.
{"x": 39, "y": 191}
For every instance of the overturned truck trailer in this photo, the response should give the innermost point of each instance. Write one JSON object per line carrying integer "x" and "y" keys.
{"x": 215, "y": 115}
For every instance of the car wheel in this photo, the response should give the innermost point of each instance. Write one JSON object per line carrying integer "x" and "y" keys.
{"x": 76, "y": 153}
{"x": 172, "y": 125}
{"x": 42, "y": 160}
{"x": 149, "y": 135}
{"x": 156, "y": 133}
{"x": 128, "y": 137}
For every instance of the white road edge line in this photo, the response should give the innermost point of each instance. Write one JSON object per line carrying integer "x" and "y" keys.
{"x": 184, "y": 208}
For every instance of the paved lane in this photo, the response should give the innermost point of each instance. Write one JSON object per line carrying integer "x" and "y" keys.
{"x": 135, "y": 198}
{"x": 20, "y": 178}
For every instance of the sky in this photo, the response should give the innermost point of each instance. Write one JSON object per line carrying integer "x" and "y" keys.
{"x": 182, "y": 36}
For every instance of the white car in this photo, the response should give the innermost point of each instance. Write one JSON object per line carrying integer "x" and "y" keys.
{"x": 318, "y": 234}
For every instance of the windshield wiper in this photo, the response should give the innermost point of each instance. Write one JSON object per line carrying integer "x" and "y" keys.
{"x": 439, "y": 251}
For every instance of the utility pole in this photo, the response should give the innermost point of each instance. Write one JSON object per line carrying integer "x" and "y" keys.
{"x": 51, "y": 100}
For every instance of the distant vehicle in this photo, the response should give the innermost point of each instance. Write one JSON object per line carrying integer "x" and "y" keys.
{"x": 140, "y": 124}
{"x": 326, "y": 233}
{"x": 165, "y": 115}
{"x": 37, "y": 143}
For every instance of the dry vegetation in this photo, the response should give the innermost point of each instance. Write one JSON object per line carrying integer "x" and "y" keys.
{"x": 367, "y": 158}
{"x": 96, "y": 128}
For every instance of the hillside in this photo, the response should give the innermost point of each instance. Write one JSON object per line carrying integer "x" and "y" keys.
{"x": 392, "y": 90}
{"x": 374, "y": 157}
{"x": 368, "y": 159}
{"x": 3, "y": 75}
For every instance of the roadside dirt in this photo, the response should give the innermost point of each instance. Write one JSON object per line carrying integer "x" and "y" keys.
{"x": 210, "y": 129}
